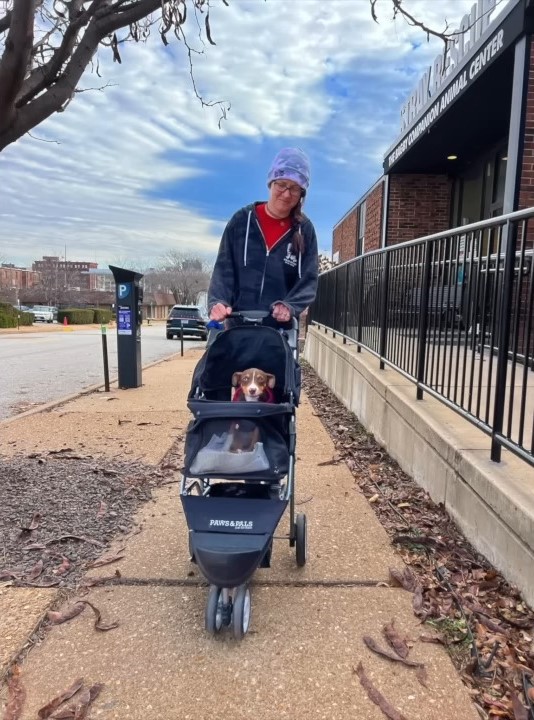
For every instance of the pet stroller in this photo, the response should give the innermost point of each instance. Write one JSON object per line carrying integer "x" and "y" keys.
{"x": 233, "y": 502}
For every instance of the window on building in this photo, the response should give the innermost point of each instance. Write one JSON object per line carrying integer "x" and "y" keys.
{"x": 360, "y": 245}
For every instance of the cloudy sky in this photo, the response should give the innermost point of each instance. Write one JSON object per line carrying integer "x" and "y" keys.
{"x": 132, "y": 171}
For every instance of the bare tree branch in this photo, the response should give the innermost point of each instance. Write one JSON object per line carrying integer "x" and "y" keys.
{"x": 48, "y": 47}
{"x": 400, "y": 10}
{"x": 48, "y": 73}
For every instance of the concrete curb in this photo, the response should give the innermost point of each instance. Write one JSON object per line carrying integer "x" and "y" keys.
{"x": 45, "y": 407}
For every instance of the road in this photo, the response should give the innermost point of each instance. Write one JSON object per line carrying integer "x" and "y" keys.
{"x": 43, "y": 366}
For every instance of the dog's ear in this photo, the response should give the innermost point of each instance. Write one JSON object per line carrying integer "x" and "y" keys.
{"x": 236, "y": 379}
{"x": 271, "y": 381}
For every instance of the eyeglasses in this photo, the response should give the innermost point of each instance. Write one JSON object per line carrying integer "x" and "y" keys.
{"x": 293, "y": 190}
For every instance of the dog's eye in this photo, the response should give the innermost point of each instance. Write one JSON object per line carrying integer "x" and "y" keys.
{"x": 245, "y": 378}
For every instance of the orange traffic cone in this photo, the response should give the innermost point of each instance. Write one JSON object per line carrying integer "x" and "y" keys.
{"x": 65, "y": 320}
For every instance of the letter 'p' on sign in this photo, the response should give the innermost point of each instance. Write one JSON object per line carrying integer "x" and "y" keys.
{"x": 123, "y": 291}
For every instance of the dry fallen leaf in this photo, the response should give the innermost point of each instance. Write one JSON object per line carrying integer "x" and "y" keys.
{"x": 375, "y": 647}
{"x": 106, "y": 559}
{"x": 15, "y": 696}
{"x": 49, "y": 708}
{"x": 98, "y": 621}
{"x": 397, "y": 642}
{"x": 520, "y": 712}
{"x": 36, "y": 570}
{"x": 58, "y": 617}
{"x": 88, "y": 697}
{"x": 417, "y": 601}
{"x": 405, "y": 578}
{"x": 376, "y": 696}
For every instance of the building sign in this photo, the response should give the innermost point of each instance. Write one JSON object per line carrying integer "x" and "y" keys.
{"x": 488, "y": 51}
{"x": 473, "y": 27}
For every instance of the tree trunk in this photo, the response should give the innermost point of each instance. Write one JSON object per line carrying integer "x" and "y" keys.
{"x": 15, "y": 59}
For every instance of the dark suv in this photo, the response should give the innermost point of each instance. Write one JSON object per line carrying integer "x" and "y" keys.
{"x": 187, "y": 318}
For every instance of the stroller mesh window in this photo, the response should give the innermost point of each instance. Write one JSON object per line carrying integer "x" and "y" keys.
{"x": 256, "y": 449}
{"x": 238, "y": 349}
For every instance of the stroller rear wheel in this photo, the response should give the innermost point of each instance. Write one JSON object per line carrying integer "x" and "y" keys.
{"x": 301, "y": 539}
{"x": 214, "y": 613}
{"x": 241, "y": 611}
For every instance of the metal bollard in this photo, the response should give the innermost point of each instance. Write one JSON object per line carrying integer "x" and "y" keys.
{"x": 105, "y": 356}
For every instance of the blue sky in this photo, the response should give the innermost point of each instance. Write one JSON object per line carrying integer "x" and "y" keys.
{"x": 139, "y": 168}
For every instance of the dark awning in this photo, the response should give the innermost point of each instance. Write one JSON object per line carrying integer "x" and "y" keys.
{"x": 469, "y": 114}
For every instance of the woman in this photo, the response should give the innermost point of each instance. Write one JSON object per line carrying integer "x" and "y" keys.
{"x": 267, "y": 258}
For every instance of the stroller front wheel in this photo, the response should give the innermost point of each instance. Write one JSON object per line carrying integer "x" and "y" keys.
{"x": 301, "y": 539}
{"x": 213, "y": 616}
{"x": 241, "y": 611}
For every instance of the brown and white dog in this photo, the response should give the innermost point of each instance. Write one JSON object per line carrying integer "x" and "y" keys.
{"x": 252, "y": 385}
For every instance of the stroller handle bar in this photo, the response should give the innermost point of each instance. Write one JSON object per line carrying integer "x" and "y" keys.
{"x": 255, "y": 317}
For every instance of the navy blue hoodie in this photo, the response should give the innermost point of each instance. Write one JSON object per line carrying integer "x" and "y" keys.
{"x": 248, "y": 276}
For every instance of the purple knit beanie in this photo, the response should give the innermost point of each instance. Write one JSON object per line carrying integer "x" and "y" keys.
{"x": 290, "y": 164}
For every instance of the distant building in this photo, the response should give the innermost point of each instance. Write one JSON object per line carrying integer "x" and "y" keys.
{"x": 12, "y": 277}
{"x": 101, "y": 279}
{"x": 72, "y": 274}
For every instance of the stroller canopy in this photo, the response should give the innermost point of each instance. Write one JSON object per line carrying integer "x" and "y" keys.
{"x": 242, "y": 347}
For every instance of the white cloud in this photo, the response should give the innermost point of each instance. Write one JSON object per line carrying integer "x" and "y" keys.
{"x": 90, "y": 185}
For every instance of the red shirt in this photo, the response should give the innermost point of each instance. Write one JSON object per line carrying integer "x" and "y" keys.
{"x": 272, "y": 228}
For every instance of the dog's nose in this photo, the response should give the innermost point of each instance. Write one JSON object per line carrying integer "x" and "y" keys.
{"x": 252, "y": 390}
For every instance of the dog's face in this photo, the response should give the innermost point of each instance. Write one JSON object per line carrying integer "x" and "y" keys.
{"x": 253, "y": 383}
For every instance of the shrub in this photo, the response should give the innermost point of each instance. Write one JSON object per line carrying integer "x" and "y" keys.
{"x": 76, "y": 316}
{"x": 102, "y": 316}
{"x": 25, "y": 318}
{"x": 7, "y": 321}
{"x": 8, "y": 316}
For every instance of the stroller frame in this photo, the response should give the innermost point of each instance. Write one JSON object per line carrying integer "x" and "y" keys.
{"x": 228, "y": 557}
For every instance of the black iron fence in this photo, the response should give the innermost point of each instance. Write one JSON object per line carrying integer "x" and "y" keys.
{"x": 453, "y": 313}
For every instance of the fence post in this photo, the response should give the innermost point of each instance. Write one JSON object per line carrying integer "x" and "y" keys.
{"x": 384, "y": 310}
{"x": 509, "y": 238}
{"x": 423, "y": 320}
{"x": 346, "y": 304}
{"x": 361, "y": 276}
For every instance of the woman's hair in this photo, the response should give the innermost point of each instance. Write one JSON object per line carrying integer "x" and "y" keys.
{"x": 297, "y": 218}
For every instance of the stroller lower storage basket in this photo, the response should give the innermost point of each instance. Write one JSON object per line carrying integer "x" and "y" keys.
{"x": 229, "y": 537}
{"x": 210, "y": 440}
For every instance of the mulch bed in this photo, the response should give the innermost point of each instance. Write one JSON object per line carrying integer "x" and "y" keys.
{"x": 59, "y": 512}
{"x": 464, "y": 603}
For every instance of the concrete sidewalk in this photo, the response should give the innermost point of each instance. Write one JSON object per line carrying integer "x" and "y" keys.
{"x": 307, "y": 625}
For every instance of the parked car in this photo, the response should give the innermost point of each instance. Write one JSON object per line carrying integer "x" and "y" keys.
{"x": 187, "y": 319}
{"x": 43, "y": 313}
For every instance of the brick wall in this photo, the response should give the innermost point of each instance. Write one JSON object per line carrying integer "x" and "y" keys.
{"x": 344, "y": 237}
{"x": 526, "y": 186}
{"x": 418, "y": 205}
{"x": 373, "y": 218}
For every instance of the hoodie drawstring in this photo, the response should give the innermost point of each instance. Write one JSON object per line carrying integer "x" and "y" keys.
{"x": 300, "y": 255}
{"x": 246, "y": 239}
